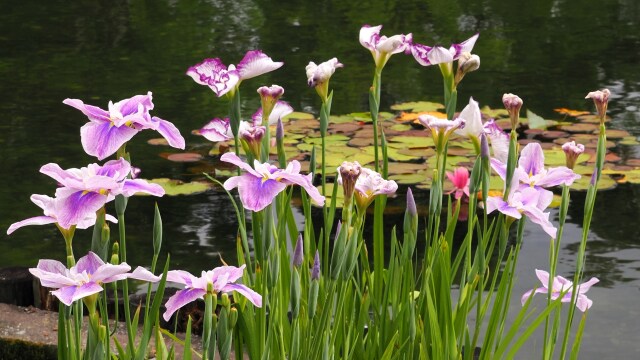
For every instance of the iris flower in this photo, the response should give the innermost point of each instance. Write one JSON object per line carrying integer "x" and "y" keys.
{"x": 51, "y": 208}
{"x": 441, "y": 129}
{"x": 499, "y": 140}
{"x": 108, "y": 130}
{"x": 369, "y": 184}
{"x": 531, "y": 171}
{"x": 383, "y": 47}
{"x": 427, "y": 55}
{"x": 83, "y": 279}
{"x": 561, "y": 285}
{"x": 216, "y": 130}
{"x": 221, "y": 279}
{"x": 473, "y": 126}
{"x": 260, "y": 185}
{"x": 280, "y": 110}
{"x": 529, "y": 201}
{"x": 222, "y": 79}
{"x": 83, "y": 191}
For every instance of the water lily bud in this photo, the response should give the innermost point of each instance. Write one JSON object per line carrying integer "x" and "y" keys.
{"x": 298, "y": 252}
{"x": 268, "y": 98}
{"x": 279, "y": 130}
{"x": 601, "y": 100}
{"x": 512, "y": 103}
{"x": 466, "y": 63}
{"x": 572, "y": 151}
{"x": 349, "y": 173}
{"x": 315, "y": 270}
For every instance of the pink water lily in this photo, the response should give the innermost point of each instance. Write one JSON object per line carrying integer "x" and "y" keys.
{"x": 108, "y": 130}
{"x": 529, "y": 201}
{"x": 561, "y": 285}
{"x": 52, "y": 208}
{"x": 433, "y": 55}
{"x": 81, "y": 280}
{"x": 221, "y": 279}
{"x": 531, "y": 171}
{"x": 460, "y": 179}
{"x": 382, "y": 47}
{"x": 259, "y": 185}
{"x": 83, "y": 191}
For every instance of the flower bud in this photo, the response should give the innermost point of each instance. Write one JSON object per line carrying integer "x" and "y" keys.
{"x": 224, "y": 301}
{"x": 512, "y": 103}
{"x": 466, "y": 63}
{"x": 298, "y": 252}
{"x": 315, "y": 270}
{"x": 251, "y": 137}
{"x": 268, "y": 98}
{"x": 484, "y": 147}
{"x": 318, "y": 76}
{"x": 572, "y": 151}
{"x": 295, "y": 292}
{"x": 233, "y": 317}
{"x": 411, "y": 203}
{"x": 594, "y": 177}
{"x": 279, "y": 130}
{"x": 115, "y": 251}
{"x": 349, "y": 173}
{"x": 601, "y": 100}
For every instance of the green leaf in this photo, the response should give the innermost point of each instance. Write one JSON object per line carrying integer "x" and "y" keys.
{"x": 418, "y": 106}
{"x": 174, "y": 187}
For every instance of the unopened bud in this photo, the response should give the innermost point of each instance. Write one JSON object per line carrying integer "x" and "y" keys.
{"x": 594, "y": 177}
{"x": 251, "y": 137}
{"x": 315, "y": 270}
{"x": 115, "y": 251}
{"x": 279, "y": 130}
{"x": 466, "y": 63}
{"x": 233, "y": 318}
{"x": 298, "y": 252}
{"x": 411, "y": 203}
{"x": 349, "y": 173}
{"x": 601, "y": 100}
{"x": 512, "y": 103}
{"x": 484, "y": 146}
{"x": 269, "y": 97}
{"x": 572, "y": 151}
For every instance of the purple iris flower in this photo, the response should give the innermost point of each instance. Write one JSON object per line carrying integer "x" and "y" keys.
{"x": 82, "y": 280}
{"x": 529, "y": 201}
{"x": 260, "y": 185}
{"x": 51, "y": 208}
{"x": 382, "y": 47}
{"x": 222, "y": 79}
{"x": 531, "y": 171}
{"x": 499, "y": 140}
{"x": 561, "y": 285}
{"x": 83, "y": 191}
{"x": 216, "y": 130}
{"x": 427, "y": 55}
{"x": 107, "y": 131}
{"x": 222, "y": 279}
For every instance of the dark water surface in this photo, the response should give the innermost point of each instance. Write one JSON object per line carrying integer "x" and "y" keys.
{"x": 551, "y": 53}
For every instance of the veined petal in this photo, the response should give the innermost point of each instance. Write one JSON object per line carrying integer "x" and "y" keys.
{"x": 64, "y": 177}
{"x": 115, "y": 169}
{"x": 180, "y": 299}
{"x": 473, "y": 120}
{"x": 169, "y": 132}
{"x": 465, "y": 46}
{"x": 439, "y": 55}
{"x": 180, "y": 276}
{"x": 280, "y": 110}
{"x": 556, "y": 176}
{"x": 94, "y": 113}
{"x": 256, "y": 63}
{"x": 235, "y": 160}
{"x": 69, "y": 294}
{"x": 305, "y": 183}
{"x": 256, "y": 193}
{"x": 254, "y": 297}
{"x": 531, "y": 159}
{"x": 132, "y": 186}
{"x": 369, "y": 36}
{"x": 109, "y": 273}
{"x": 541, "y": 218}
{"x": 132, "y": 106}
{"x": 103, "y": 140}
{"x": 420, "y": 52}
{"x": 233, "y": 273}
{"x": 37, "y": 220}
{"x": 543, "y": 276}
{"x": 143, "y": 274}
{"x": 203, "y": 72}
{"x": 89, "y": 263}
{"x": 216, "y": 130}
{"x": 73, "y": 206}
{"x": 585, "y": 286}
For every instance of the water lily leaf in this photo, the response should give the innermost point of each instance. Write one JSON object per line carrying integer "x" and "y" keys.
{"x": 418, "y": 106}
{"x": 535, "y": 121}
{"x": 412, "y": 142}
{"x": 606, "y": 182}
{"x": 413, "y": 116}
{"x": 400, "y": 127}
{"x": 363, "y": 158}
{"x": 298, "y": 115}
{"x": 494, "y": 113}
{"x": 410, "y": 179}
{"x": 631, "y": 177}
{"x": 330, "y": 140}
{"x": 579, "y": 128}
{"x": 629, "y": 142}
{"x": 616, "y": 134}
{"x": 329, "y": 189}
{"x": 341, "y": 119}
{"x": 572, "y": 113}
{"x": 174, "y": 187}
{"x": 406, "y": 168}
{"x": 554, "y": 158}
{"x": 182, "y": 157}
{"x": 361, "y": 116}
{"x": 158, "y": 141}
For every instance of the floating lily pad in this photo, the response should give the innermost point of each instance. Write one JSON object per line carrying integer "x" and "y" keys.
{"x": 406, "y": 168}
{"x": 401, "y": 127}
{"x": 579, "y": 128}
{"x": 412, "y": 142}
{"x": 418, "y": 106}
{"x": 494, "y": 113}
{"x": 606, "y": 182}
{"x": 345, "y": 127}
{"x": 631, "y": 177}
{"x": 616, "y": 134}
{"x": 553, "y": 134}
{"x": 536, "y": 121}
{"x": 592, "y": 119}
{"x": 572, "y": 113}
{"x": 182, "y": 157}
{"x": 174, "y": 187}
{"x": 158, "y": 141}
{"x": 409, "y": 179}
{"x": 298, "y": 115}
{"x": 360, "y": 142}
{"x": 329, "y": 189}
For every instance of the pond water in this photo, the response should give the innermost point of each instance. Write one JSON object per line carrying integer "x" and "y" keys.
{"x": 551, "y": 53}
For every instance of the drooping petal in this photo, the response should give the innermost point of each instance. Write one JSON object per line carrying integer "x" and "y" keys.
{"x": 305, "y": 183}
{"x": 216, "y": 130}
{"x": 133, "y": 105}
{"x": 116, "y": 169}
{"x": 532, "y": 292}
{"x": 69, "y": 294}
{"x": 254, "y": 297}
{"x": 132, "y": 186}
{"x": 233, "y": 273}
{"x": 256, "y": 63}
{"x": 64, "y": 177}
{"x": 203, "y": 72}
{"x": 180, "y": 299}
{"x": 103, "y": 139}
{"x": 499, "y": 167}
{"x": 541, "y": 218}
{"x": 256, "y": 193}
{"x": 496, "y": 203}
{"x": 73, "y": 206}
{"x": 94, "y": 113}
{"x": 109, "y": 273}
{"x": 543, "y": 276}
{"x": 37, "y": 220}
{"x": 420, "y": 52}
{"x": 583, "y": 302}
{"x": 180, "y": 276}
{"x": 556, "y": 176}
{"x": 143, "y": 274}
{"x": 170, "y": 132}
{"x": 585, "y": 286}
{"x": 439, "y": 55}
{"x": 465, "y": 46}
{"x": 235, "y": 160}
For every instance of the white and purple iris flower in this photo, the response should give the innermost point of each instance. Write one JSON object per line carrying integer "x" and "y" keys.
{"x": 499, "y": 140}
{"x": 531, "y": 172}
{"x": 52, "y": 208}
{"x": 383, "y": 47}
{"x": 222, "y": 279}
{"x": 428, "y": 55}
{"x": 216, "y": 130}
{"x": 108, "y": 130}
{"x": 83, "y": 191}
{"x": 83, "y": 279}
{"x": 260, "y": 185}
{"x": 528, "y": 201}
{"x": 280, "y": 110}
{"x": 561, "y": 285}
{"x": 222, "y": 79}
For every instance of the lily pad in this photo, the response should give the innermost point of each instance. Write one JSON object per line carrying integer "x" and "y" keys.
{"x": 174, "y": 187}
{"x": 412, "y": 142}
{"x": 582, "y": 184}
{"x": 158, "y": 141}
{"x": 182, "y": 157}
{"x": 418, "y": 106}
{"x": 410, "y": 179}
{"x": 298, "y": 115}
{"x": 494, "y": 113}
